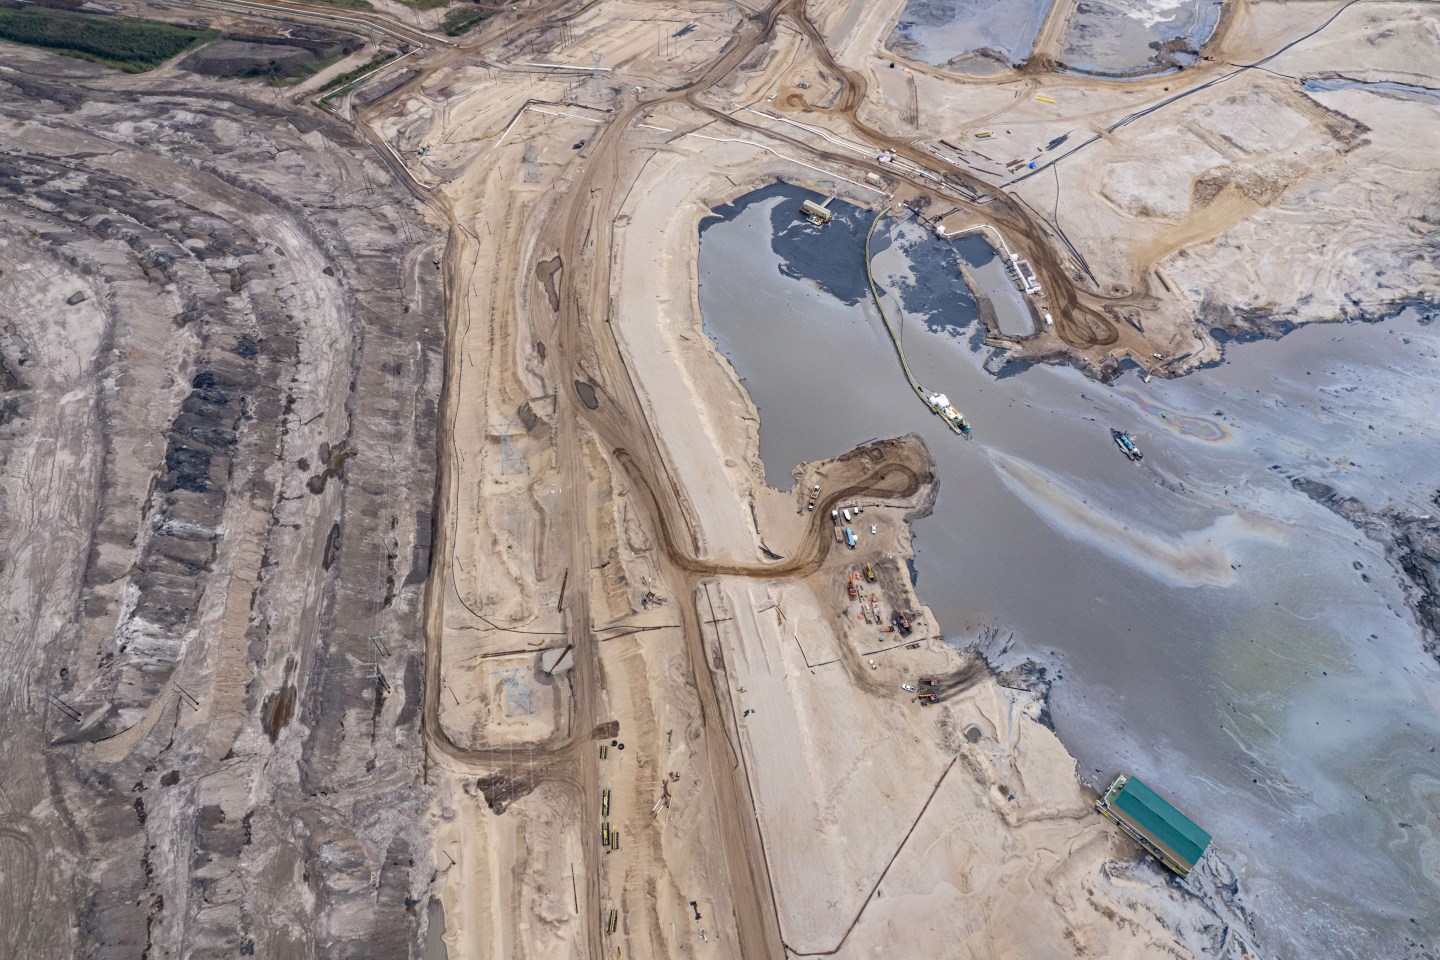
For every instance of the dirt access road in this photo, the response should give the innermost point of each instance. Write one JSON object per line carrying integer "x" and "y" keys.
{"x": 581, "y": 347}
{"x": 568, "y": 222}
{"x": 608, "y": 561}
{"x": 584, "y": 345}
{"x": 1081, "y": 321}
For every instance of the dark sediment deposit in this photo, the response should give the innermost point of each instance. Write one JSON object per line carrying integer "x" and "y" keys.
{"x": 1412, "y": 545}
{"x": 212, "y": 631}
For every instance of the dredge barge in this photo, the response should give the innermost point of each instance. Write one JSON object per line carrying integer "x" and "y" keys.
{"x": 937, "y": 402}
{"x": 941, "y": 404}
{"x": 1127, "y": 446}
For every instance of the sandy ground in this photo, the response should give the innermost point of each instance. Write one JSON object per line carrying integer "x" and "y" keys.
{"x": 1216, "y": 198}
{"x": 609, "y": 566}
{"x": 878, "y": 821}
{"x": 215, "y": 523}
{"x": 627, "y": 525}
{"x": 841, "y": 761}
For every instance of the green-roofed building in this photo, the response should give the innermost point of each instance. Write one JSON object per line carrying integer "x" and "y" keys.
{"x": 1158, "y": 827}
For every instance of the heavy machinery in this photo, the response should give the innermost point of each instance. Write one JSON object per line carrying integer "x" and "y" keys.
{"x": 1127, "y": 446}
{"x": 941, "y": 404}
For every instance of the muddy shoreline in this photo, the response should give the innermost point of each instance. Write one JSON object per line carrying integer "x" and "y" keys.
{"x": 1057, "y": 681}
{"x": 1412, "y": 546}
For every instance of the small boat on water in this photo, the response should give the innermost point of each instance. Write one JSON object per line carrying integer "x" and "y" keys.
{"x": 1126, "y": 445}
{"x": 941, "y": 404}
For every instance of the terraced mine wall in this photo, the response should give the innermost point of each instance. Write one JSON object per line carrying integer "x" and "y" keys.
{"x": 219, "y": 365}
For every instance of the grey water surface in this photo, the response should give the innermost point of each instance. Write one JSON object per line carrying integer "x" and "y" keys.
{"x": 1214, "y": 630}
{"x": 976, "y": 36}
{"x": 1132, "y": 37}
{"x": 1387, "y": 88}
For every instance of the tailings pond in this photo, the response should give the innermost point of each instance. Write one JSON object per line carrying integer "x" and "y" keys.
{"x": 1135, "y": 37}
{"x": 1213, "y": 629}
{"x": 973, "y": 36}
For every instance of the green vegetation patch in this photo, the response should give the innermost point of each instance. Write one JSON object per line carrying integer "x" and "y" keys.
{"x": 124, "y": 43}
{"x": 460, "y": 19}
{"x": 352, "y": 4}
{"x": 336, "y": 83}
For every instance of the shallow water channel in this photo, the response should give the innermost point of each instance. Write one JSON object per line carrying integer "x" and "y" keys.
{"x": 1384, "y": 88}
{"x": 1214, "y": 631}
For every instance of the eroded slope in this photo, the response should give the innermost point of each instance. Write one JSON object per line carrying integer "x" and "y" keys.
{"x": 220, "y": 367}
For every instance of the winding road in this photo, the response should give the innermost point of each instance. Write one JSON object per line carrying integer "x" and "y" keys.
{"x": 584, "y": 348}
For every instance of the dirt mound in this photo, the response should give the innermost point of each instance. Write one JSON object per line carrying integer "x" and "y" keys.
{"x": 243, "y": 58}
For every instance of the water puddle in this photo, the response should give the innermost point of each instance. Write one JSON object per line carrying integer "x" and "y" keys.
{"x": 1215, "y": 631}
{"x": 1388, "y": 88}
{"x": 587, "y": 394}
{"x": 435, "y": 931}
{"x": 545, "y": 272}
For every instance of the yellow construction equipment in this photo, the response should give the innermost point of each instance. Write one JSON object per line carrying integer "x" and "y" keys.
{"x": 1045, "y": 99}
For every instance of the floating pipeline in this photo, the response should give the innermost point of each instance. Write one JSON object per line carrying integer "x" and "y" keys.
{"x": 956, "y": 423}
